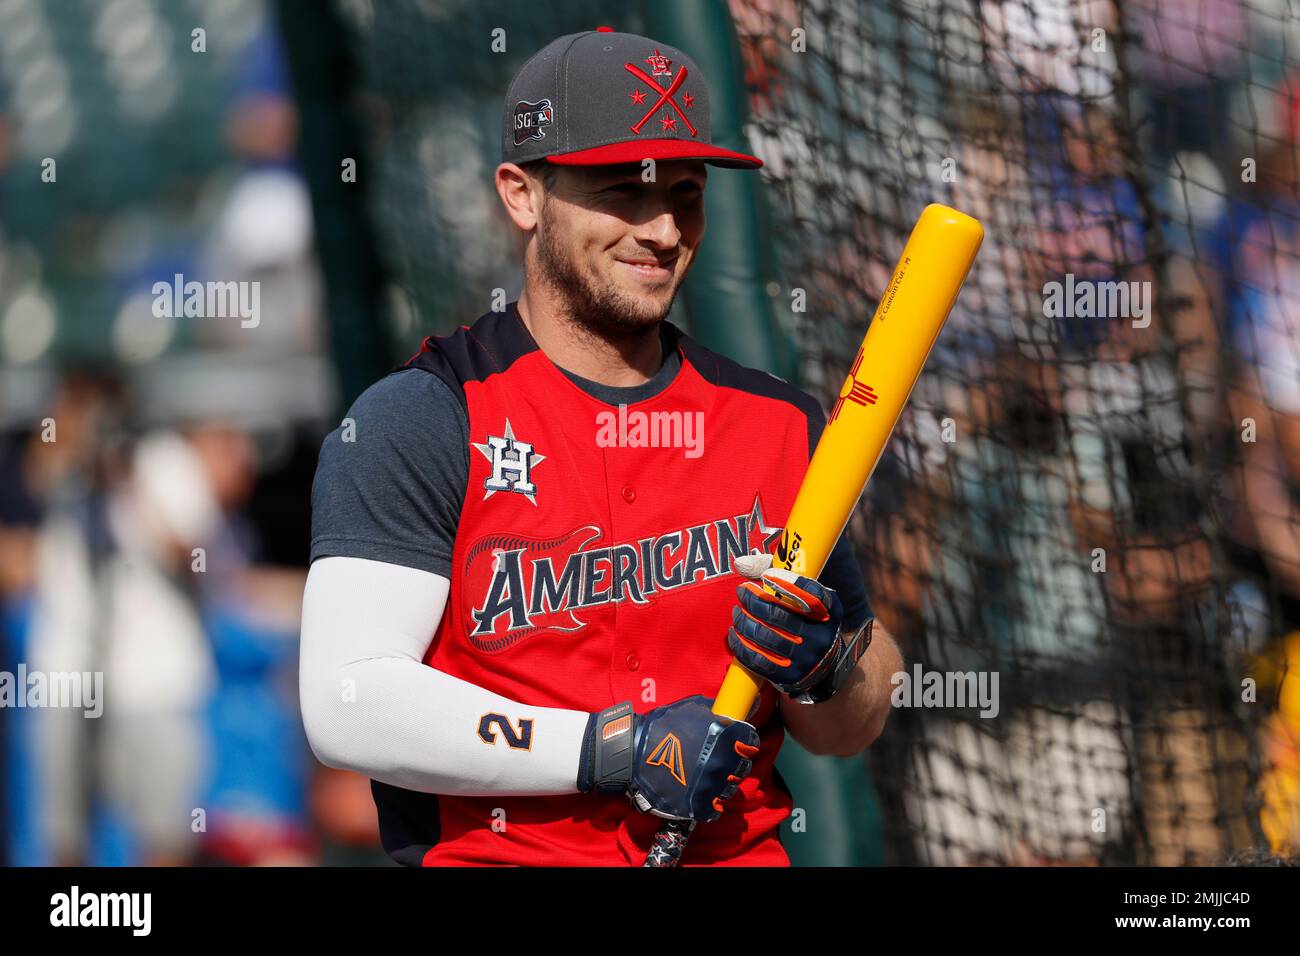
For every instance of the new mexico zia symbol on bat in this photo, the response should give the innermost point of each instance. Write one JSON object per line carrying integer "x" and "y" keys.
{"x": 860, "y": 393}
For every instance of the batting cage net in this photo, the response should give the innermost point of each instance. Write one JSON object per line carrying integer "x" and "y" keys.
{"x": 1087, "y": 521}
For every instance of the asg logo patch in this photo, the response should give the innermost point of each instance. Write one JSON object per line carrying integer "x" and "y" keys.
{"x": 531, "y": 120}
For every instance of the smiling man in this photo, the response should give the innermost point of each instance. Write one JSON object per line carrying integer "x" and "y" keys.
{"x": 616, "y": 282}
{"x": 515, "y": 625}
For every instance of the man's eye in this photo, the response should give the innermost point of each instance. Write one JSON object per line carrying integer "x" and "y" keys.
{"x": 623, "y": 189}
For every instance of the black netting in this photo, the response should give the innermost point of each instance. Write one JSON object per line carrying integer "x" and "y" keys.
{"x": 1095, "y": 492}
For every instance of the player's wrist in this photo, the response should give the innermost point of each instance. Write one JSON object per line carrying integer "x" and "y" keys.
{"x": 851, "y": 648}
{"x": 605, "y": 764}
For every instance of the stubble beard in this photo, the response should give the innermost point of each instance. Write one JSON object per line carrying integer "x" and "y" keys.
{"x": 602, "y": 312}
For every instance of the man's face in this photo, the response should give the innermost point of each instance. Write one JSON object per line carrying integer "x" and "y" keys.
{"x": 617, "y": 248}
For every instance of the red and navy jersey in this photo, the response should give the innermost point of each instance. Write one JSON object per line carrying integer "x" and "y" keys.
{"x": 592, "y": 565}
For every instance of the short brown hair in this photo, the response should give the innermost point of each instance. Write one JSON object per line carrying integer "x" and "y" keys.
{"x": 541, "y": 169}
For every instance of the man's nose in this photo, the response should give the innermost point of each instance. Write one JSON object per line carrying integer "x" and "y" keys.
{"x": 661, "y": 229}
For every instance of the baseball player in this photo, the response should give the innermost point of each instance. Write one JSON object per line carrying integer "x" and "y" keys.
{"x": 537, "y": 546}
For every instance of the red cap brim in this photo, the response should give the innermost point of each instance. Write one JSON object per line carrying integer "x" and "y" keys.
{"x": 636, "y": 150}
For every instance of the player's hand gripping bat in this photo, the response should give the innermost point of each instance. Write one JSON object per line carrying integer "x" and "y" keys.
{"x": 913, "y": 309}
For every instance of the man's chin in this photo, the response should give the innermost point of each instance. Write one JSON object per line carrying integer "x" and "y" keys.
{"x": 644, "y": 307}
{"x": 648, "y": 312}
{"x": 642, "y": 320}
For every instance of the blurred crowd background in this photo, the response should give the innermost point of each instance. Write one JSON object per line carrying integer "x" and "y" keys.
{"x": 1148, "y": 141}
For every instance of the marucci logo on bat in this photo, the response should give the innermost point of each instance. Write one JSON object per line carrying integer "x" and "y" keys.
{"x": 860, "y": 393}
{"x": 788, "y": 548}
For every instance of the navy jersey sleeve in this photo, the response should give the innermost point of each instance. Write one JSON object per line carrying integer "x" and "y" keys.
{"x": 391, "y": 478}
{"x": 842, "y": 571}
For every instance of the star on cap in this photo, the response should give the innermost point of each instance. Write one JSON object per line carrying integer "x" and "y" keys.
{"x": 638, "y": 96}
{"x": 687, "y": 100}
{"x": 668, "y": 123}
{"x": 659, "y": 63}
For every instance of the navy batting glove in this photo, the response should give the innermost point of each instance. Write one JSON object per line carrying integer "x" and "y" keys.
{"x": 679, "y": 762}
{"x": 796, "y": 650}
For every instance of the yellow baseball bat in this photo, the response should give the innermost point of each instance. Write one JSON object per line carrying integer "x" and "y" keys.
{"x": 912, "y": 311}
{"x": 929, "y": 274}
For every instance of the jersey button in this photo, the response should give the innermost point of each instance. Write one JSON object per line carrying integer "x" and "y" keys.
{"x": 633, "y": 662}
{"x": 628, "y": 494}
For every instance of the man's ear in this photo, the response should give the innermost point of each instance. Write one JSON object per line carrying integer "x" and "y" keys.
{"x": 520, "y": 194}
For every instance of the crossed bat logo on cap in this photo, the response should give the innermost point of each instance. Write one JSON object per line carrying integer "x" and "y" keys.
{"x": 660, "y": 65}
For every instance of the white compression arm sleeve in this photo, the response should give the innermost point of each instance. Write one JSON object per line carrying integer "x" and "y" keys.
{"x": 370, "y": 704}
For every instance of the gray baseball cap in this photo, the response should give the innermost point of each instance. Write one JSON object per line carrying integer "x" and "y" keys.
{"x": 602, "y": 97}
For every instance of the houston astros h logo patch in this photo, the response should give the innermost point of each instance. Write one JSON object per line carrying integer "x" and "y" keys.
{"x": 512, "y": 461}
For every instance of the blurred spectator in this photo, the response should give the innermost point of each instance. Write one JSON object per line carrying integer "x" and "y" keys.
{"x": 19, "y": 515}
{"x": 262, "y": 123}
{"x": 113, "y": 594}
{"x": 1049, "y": 57}
{"x": 1254, "y": 278}
{"x": 1137, "y": 499}
{"x": 1091, "y": 226}
{"x": 200, "y": 748}
{"x": 256, "y": 796}
{"x": 1006, "y": 571}
{"x": 134, "y": 557}
{"x": 263, "y": 231}
{"x": 1256, "y": 262}
{"x": 1133, "y": 493}
{"x": 760, "y": 25}
{"x": 1192, "y": 51}
{"x": 1049, "y": 46}
{"x": 57, "y": 474}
